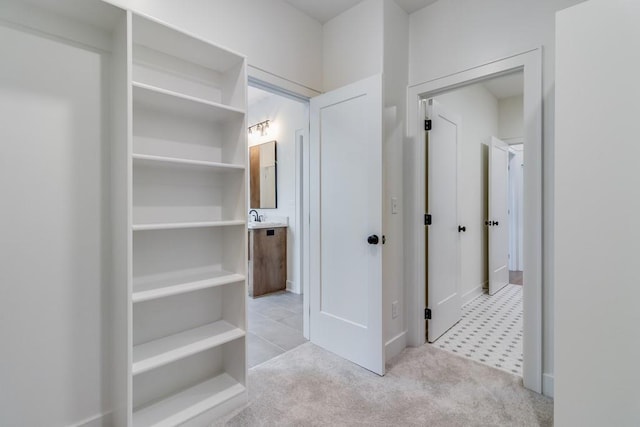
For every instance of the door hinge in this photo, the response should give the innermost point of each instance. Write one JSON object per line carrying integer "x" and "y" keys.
{"x": 427, "y": 219}
{"x": 427, "y": 124}
{"x": 427, "y": 314}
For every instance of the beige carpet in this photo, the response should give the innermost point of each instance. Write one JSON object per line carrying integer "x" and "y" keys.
{"x": 424, "y": 386}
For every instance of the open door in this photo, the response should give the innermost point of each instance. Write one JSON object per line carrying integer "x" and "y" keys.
{"x": 346, "y": 223}
{"x": 498, "y": 221}
{"x": 442, "y": 235}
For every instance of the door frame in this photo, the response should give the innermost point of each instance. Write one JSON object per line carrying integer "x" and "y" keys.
{"x": 285, "y": 88}
{"x": 530, "y": 62}
{"x": 514, "y": 238}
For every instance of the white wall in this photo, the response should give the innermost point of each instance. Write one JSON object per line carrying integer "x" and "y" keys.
{"x": 597, "y": 209}
{"x": 450, "y": 36}
{"x": 511, "y": 117}
{"x": 53, "y": 223}
{"x": 352, "y": 46}
{"x": 396, "y": 73}
{"x": 274, "y": 36}
{"x": 286, "y": 117}
{"x": 478, "y": 110}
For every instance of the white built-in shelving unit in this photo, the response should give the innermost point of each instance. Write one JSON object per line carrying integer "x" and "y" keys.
{"x": 188, "y": 225}
{"x": 174, "y": 124}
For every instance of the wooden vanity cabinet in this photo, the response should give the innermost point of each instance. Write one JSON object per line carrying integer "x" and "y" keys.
{"x": 267, "y": 260}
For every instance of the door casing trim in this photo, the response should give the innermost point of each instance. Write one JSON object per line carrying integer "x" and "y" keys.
{"x": 530, "y": 62}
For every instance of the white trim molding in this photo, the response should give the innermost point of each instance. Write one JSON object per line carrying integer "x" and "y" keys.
{"x": 395, "y": 345}
{"x": 547, "y": 385}
{"x": 469, "y": 296}
{"x": 530, "y": 62}
{"x": 100, "y": 420}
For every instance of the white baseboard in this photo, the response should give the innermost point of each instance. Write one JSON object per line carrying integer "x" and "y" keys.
{"x": 472, "y": 294}
{"x": 291, "y": 287}
{"x": 100, "y": 420}
{"x": 547, "y": 385}
{"x": 395, "y": 345}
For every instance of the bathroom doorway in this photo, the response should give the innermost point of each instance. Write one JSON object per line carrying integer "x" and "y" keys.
{"x": 279, "y": 121}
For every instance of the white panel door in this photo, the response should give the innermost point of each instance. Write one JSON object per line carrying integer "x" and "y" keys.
{"x": 498, "y": 221}
{"x": 346, "y": 214}
{"x": 443, "y": 240}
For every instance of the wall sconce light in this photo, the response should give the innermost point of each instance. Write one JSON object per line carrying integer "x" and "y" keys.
{"x": 261, "y": 127}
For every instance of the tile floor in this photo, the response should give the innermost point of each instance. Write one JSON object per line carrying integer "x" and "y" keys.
{"x": 490, "y": 331}
{"x": 275, "y": 325}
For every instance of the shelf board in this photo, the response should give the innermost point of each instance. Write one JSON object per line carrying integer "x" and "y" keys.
{"x": 154, "y": 160}
{"x": 191, "y": 224}
{"x": 146, "y": 290}
{"x": 157, "y": 353}
{"x": 175, "y": 103}
{"x": 189, "y": 403}
{"x": 163, "y": 37}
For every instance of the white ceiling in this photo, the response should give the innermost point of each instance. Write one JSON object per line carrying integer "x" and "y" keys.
{"x": 506, "y": 86}
{"x": 325, "y": 10}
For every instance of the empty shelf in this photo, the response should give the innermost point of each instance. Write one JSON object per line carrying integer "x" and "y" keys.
{"x": 165, "y": 350}
{"x": 177, "y": 225}
{"x": 189, "y": 403}
{"x": 179, "y": 104}
{"x": 153, "y": 160}
{"x": 148, "y": 289}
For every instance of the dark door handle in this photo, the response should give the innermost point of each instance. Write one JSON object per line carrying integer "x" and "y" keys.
{"x": 373, "y": 239}
{"x": 462, "y": 228}
{"x": 495, "y": 223}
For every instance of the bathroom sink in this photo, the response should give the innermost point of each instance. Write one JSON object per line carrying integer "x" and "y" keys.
{"x": 265, "y": 224}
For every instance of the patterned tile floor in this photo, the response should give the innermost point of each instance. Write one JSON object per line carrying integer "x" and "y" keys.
{"x": 490, "y": 331}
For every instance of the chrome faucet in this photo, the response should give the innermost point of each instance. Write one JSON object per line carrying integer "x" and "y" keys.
{"x": 255, "y": 218}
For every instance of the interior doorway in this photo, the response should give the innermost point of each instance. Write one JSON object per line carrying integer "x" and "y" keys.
{"x": 476, "y": 313}
{"x": 278, "y": 124}
{"x": 530, "y": 64}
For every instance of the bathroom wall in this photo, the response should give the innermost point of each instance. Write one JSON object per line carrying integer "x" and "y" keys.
{"x": 511, "y": 117}
{"x": 478, "y": 109}
{"x": 286, "y": 116}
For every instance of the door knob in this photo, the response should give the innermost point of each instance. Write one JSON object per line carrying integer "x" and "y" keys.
{"x": 487, "y": 223}
{"x": 373, "y": 239}
{"x": 462, "y": 228}
{"x": 495, "y": 223}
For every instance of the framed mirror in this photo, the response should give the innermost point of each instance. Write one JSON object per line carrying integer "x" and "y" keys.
{"x": 263, "y": 163}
